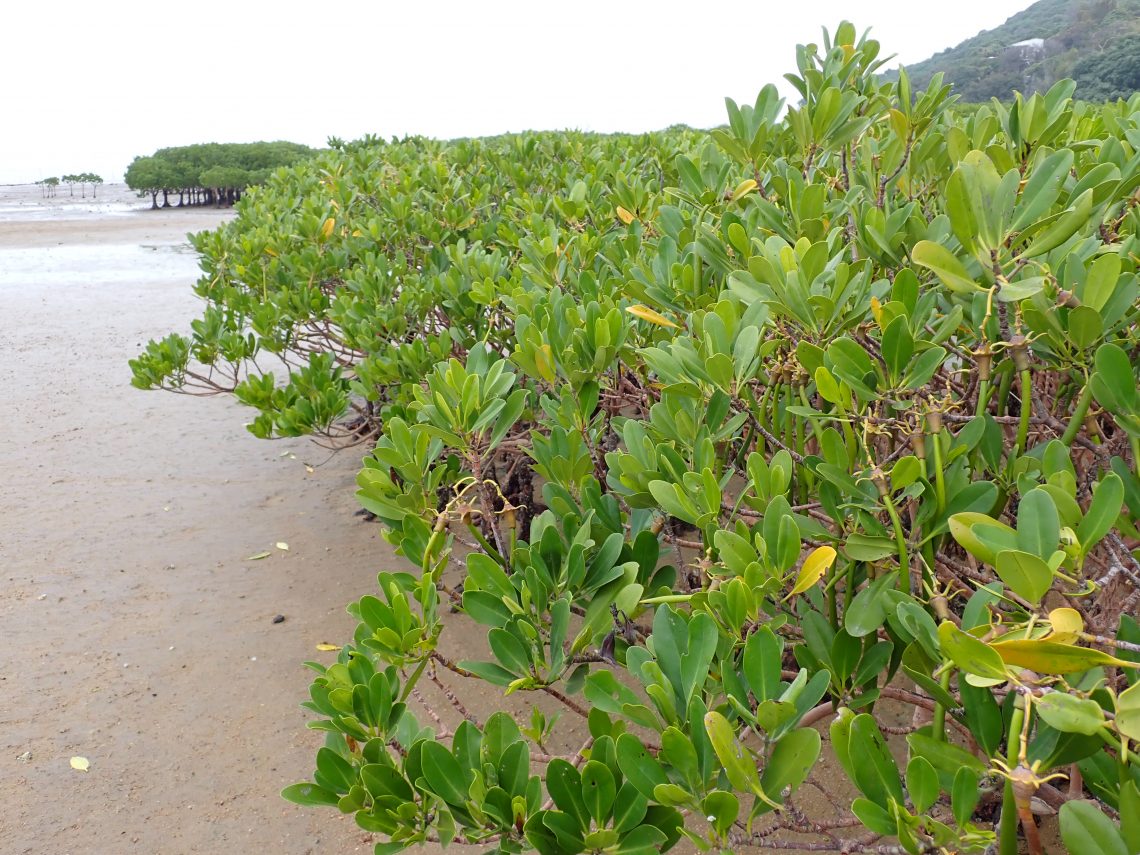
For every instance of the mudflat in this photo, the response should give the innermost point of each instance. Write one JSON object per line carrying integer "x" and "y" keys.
{"x": 136, "y": 631}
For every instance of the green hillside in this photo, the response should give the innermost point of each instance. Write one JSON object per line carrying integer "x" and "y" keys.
{"x": 1095, "y": 42}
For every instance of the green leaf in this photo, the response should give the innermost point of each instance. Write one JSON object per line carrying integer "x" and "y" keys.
{"x": 1101, "y": 281}
{"x": 444, "y": 774}
{"x": 564, "y": 783}
{"x": 1108, "y": 498}
{"x": 629, "y": 808}
{"x": 840, "y": 732}
{"x": 1085, "y": 829}
{"x": 1064, "y": 228}
{"x": 921, "y": 784}
{"x": 869, "y": 608}
{"x": 964, "y": 795}
{"x": 791, "y": 761}
{"x": 639, "y": 766}
{"x": 1085, "y": 327}
{"x": 970, "y": 654}
{"x": 309, "y": 795}
{"x": 982, "y": 536}
{"x": 1038, "y": 525}
{"x": 643, "y": 840}
{"x": 946, "y": 757}
{"x": 722, "y": 808}
{"x": 827, "y": 386}
{"x": 738, "y": 763}
{"x": 983, "y": 715}
{"x": 762, "y": 662}
{"x": 1070, "y": 714}
{"x": 698, "y": 657}
{"x": 876, "y": 774}
{"x": 598, "y": 790}
{"x": 945, "y": 265}
{"x": 861, "y": 547}
{"x": 1130, "y": 816}
{"x": 1128, "y": 713}
{"x": 897, "y": 345}
{"x": 1027, "y": 575}
{"x": 381, "y": 780}
{"x": 874, "y": 817}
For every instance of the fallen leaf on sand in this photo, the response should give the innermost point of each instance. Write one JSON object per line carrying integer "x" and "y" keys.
{"x": 258, "y": 556}
{"x": 324, "y": 645}
{"x": 282, "y": 545}
{"x": 80, "y": 764}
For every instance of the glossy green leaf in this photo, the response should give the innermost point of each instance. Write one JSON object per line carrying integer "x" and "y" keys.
{"x": 1026, "y": 574}
{"x": 921, "y": 784}
{"x": 1085, "y": 829}
{"x": 1070, "y": 714}
{"x": 945, "y": 265}
{"x": 970, "y": 654}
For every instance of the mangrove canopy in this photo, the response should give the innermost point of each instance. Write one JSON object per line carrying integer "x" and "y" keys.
{"x": 209, "y": 173}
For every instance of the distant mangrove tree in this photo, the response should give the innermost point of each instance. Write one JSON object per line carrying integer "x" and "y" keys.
{"x": 209, "y": 173}
{"x": 83, "y": 179}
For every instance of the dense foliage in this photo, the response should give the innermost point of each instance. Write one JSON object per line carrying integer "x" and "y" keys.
{"x": 209, "y": 173}
{"x": 1093, "y": 42}
{"x": 825, "y": 415}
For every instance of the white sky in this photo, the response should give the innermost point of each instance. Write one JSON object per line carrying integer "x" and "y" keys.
{"x": 87, "y": 86}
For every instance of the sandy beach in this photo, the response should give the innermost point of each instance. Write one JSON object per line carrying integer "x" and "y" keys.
{"x": 135, "y": 632}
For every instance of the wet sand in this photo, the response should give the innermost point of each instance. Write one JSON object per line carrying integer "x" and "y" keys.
{"x": 134, "y": 631}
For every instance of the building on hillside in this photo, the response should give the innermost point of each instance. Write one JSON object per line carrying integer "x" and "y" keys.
{"x": 1028, "y": 49}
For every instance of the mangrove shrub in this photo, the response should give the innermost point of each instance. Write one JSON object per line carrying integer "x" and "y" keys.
{"x": 734, "y": 443}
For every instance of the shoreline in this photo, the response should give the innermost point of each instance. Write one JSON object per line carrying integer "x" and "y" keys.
{"x": 139, "y": 633}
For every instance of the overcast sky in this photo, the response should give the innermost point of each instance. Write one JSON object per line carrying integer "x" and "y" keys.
{"x": 89, "y": 86}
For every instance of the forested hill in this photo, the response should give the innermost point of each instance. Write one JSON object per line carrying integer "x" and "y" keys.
{"x": 1095, "y": 42}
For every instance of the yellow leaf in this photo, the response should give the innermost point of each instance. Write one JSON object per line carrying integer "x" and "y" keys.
{"x": 1049, "y": 657}
{"x": 877, "y": 310}
{"x": 899, "y": 124}
{"x": 282, "y": 545}
{"x": 327, "y": 228}
{"x": 814, "y": 566}
{"x": 743, "y": 189}
{"x": 1067, "y": 625}
{"x": 324, "y": 645}
{"x": 544, "y": 362}
{"x": 80, "y": 764}
{"x": 647, "y": 314}
{"x": 624, "y": 215}
{"x": 271, "y": 251}
{"x": 257, "y": 556}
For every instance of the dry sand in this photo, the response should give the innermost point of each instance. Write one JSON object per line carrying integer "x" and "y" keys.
{"x": 134, "y": 632}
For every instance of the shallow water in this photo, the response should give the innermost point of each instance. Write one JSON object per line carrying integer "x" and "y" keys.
{"x": 127, "y": 608}
{"x": 96, "y": 264}
{"x": 49, "y": 209}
